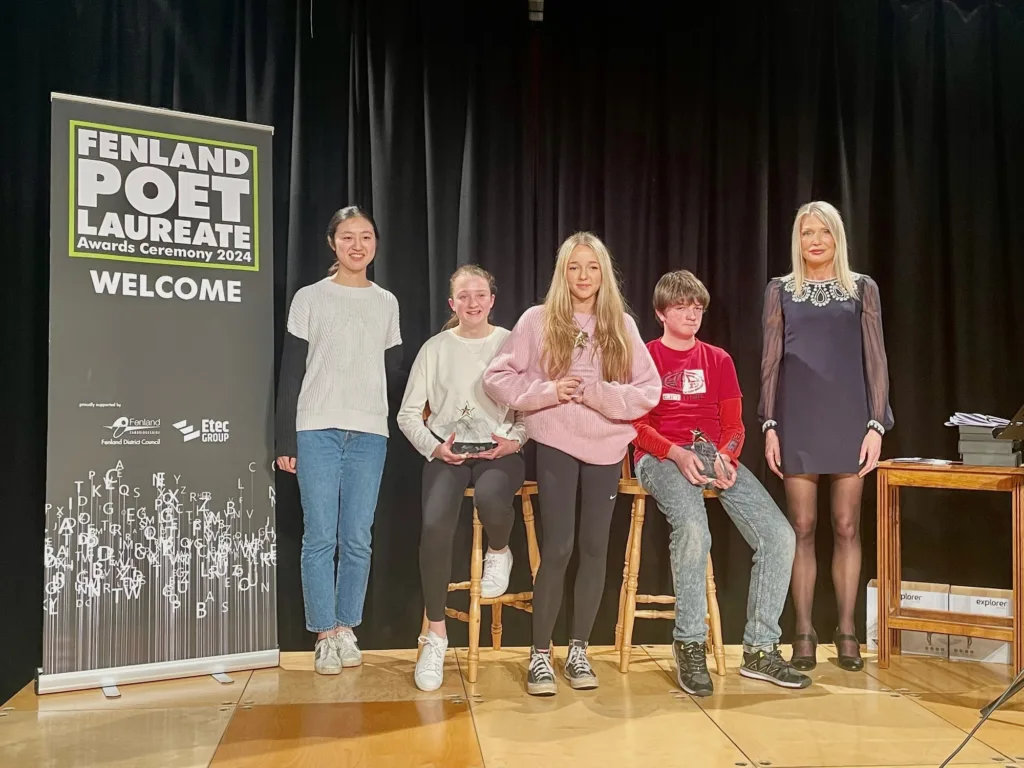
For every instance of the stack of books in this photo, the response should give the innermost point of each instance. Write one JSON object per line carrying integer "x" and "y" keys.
{"x": 979, "y": 445}
{"x": 979, "y": 442}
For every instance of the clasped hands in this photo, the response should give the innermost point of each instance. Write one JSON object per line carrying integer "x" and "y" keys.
{"x": 568, "y": 389}
{"x": 692, "y": 468}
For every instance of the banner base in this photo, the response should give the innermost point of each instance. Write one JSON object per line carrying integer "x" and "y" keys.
{"x": 145, "y": 673}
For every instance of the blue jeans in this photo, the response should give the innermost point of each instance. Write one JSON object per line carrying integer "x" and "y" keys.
{"x": 339, "y": 476}
{"x": 760, "y": 522}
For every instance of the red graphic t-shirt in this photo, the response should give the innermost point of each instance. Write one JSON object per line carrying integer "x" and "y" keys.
{"x": 699, "y": 390}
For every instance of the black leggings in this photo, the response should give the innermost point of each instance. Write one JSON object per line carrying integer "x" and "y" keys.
{"x": 558, "y": 476}
{"x": 495, "y": 484}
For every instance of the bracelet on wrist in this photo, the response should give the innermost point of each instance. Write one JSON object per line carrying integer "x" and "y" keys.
{"x": 876, "y": 426}
{"x": 769, "y": 424}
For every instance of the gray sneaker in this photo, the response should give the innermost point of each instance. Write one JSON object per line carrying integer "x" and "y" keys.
{"x": 326, "y": 660}
{"x": 348, "y": 649}
{"x": 577, "y": 668}
{"x": 692, "y": 668}
{"x": 771, "y": 667}
{"x": 540, "y": 678}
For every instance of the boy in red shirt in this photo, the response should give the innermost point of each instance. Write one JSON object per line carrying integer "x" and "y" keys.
{"x": 692, "y": 441}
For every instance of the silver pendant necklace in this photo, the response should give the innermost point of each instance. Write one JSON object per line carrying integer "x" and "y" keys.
{"x": 582, "y": 338}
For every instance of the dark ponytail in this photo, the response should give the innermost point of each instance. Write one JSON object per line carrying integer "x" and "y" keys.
{"x": 343, "y": 214}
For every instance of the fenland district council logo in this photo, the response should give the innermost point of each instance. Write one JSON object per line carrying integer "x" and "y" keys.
{"x": 210, "y": 431}
{"x": 129, "y": 431}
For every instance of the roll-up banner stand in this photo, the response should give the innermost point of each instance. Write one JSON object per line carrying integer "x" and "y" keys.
{"x": 160, "y": 546}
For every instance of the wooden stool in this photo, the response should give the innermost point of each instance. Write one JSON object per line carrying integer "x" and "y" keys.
{"x": 522, "y": 601}
{"x": 628, "y": 598}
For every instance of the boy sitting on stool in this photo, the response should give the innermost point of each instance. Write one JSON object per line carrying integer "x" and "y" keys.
{"x": 692, "y": 441}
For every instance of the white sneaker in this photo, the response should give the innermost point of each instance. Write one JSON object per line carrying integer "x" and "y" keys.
{"x": 497, "y": 568}
{"x": 430, "y": 665}
{"x": 326, "y": 660}
{"x": 348, "y": 649}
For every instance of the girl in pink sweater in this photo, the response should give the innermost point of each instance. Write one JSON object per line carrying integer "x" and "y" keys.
{"x": 578, "y": 371}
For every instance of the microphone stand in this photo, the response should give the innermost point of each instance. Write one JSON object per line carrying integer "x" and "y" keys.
{"x": 988, "y": 709}
{"x": 1009, "y": 693}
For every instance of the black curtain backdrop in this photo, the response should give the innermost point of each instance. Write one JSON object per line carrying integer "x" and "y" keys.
{"x": 684, "y": 139}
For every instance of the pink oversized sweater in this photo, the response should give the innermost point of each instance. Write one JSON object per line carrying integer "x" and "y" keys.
{"x": 596, "y": 431}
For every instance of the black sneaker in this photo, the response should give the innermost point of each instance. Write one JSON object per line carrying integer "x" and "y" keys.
{"x": 692, "y": 668}
{"x": 771, "y": 667}
{"x": 577, "y": 667}
{"x": 540, "y": 680}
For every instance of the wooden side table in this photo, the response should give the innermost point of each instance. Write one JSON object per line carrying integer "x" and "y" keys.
{"x": 892, "y": 617}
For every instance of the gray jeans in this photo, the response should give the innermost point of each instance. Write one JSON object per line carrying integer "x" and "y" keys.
{"x": 760, "y": 522}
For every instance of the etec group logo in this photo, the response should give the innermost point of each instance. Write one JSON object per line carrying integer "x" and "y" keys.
{"x": 210, "y": 431}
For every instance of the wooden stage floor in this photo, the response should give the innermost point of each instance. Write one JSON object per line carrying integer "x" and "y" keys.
{"x": 913, "y": 714}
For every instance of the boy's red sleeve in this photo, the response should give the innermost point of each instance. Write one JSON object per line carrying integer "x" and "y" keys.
{"x": 730, "y": 411}
{"x": 730, "y": 415}
{"x": 649, "y": 439}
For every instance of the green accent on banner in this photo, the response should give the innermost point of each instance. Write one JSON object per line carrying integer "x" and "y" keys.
{"x": 255, "y": 212}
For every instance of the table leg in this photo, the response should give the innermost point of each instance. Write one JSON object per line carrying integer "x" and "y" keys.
{"x": 884, "y": 564}
{"x": 1018, "y": 576}
{"x": 896, "y": 572}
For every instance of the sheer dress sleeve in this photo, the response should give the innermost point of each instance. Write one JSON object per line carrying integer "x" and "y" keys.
{"x": 876, "y": 367}
{"x": 771, "y": 354}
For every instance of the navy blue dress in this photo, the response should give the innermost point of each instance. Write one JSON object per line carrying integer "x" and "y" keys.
{"x": 824, "y": 374}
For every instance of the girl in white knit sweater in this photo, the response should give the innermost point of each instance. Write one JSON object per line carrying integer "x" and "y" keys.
{"x": 467, "y": 439}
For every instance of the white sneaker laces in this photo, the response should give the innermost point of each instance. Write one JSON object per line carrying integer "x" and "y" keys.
{"x": 345, "y": 641}
{"x": 541, "y": 667}
{"x": 433, "y": 655}
{"x": 578, "y": 662}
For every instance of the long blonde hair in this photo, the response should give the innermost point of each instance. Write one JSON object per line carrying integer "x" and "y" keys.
{"x": 560, "y": 328}
{"x": 466, "y": 269}
{"x": 834, "y": 221}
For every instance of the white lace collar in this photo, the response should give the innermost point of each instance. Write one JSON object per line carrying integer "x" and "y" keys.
{"x": 819, "y": 292}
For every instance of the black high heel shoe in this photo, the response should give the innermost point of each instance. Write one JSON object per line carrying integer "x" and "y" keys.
{"x": 805, "y": 663}
{"x": 849, "y": 663}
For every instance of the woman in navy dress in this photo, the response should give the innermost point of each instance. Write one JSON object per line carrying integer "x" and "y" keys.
{"x": 824, "y": 408}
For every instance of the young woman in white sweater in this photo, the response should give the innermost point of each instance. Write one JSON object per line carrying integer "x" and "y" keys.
{"x": 343, "y": 340}
{"x": 467, "y": 439}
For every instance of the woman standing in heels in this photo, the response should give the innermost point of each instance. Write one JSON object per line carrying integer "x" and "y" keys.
{"x": 824, "y": 409}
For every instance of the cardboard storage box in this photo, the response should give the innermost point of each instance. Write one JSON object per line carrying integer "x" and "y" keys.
{"x": 913, "y": 594}
{"x": 983, "y": 602}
